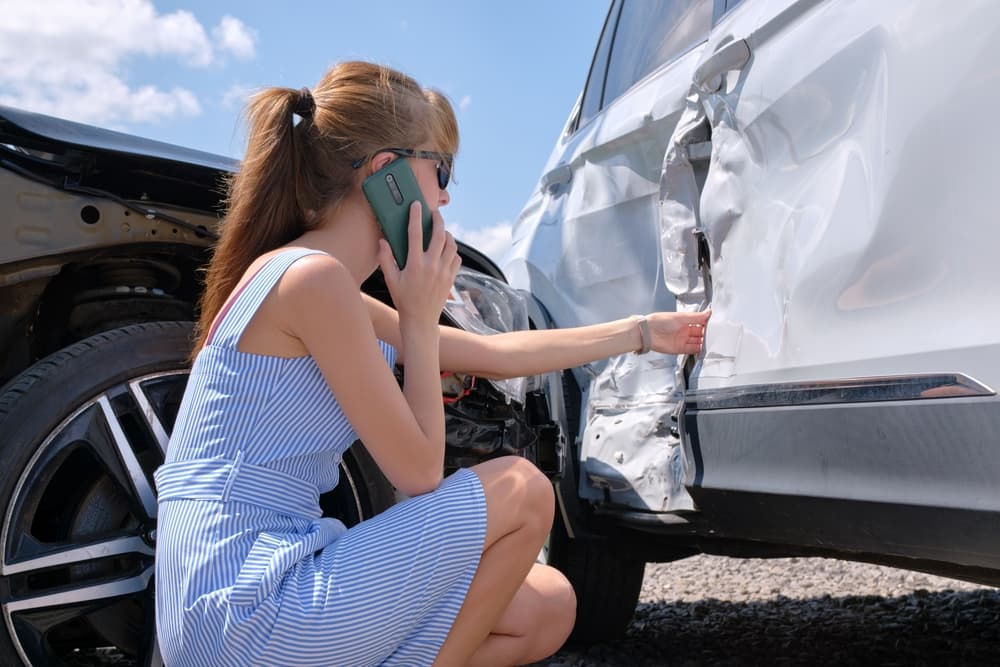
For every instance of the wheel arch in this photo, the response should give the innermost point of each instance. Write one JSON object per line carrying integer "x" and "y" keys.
{"x": 49, "y": 303}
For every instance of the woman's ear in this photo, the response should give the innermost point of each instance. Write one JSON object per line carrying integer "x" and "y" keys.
{"x": 379, "y": 161}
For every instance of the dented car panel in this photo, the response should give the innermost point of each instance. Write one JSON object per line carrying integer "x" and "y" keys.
{"x": 814, "y": 193}
{"x": 837, "y": 202}
{"x": 586, "y": 245}
{"x": 843, "y": 247}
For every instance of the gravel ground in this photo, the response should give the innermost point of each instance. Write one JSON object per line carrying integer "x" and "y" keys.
{"x": 710, "y": 610}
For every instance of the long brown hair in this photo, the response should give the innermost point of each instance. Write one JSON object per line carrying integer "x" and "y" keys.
{"x": 291, "y": 171}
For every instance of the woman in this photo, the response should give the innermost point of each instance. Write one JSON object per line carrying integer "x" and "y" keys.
{"x": 293, "y": 363}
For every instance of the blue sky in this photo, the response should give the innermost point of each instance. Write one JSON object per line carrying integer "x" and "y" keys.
{"x": 179, "y": 70}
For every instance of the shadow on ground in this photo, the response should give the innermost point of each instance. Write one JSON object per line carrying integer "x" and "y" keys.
{"x": 923, "y": 628}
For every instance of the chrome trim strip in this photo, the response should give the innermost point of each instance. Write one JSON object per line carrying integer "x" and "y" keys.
{"x": 848, "y": 390}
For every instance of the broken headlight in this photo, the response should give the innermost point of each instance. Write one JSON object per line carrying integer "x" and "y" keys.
{"x": 487, "y": 418}
{"x": 485, "y": 305}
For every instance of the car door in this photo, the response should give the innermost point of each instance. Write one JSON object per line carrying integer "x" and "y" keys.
{"x": 816, "y": 197}
{"x": 586, "y": 244}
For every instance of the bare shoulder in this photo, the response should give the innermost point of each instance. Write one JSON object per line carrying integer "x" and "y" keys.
{"x": 316, "y": 275}
{"x": 318, "y": 287}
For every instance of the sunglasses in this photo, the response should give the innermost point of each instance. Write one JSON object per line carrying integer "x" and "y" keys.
{"x": 443, "y": 160}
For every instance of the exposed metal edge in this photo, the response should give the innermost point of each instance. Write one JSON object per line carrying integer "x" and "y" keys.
{"x": 848, "y": 390}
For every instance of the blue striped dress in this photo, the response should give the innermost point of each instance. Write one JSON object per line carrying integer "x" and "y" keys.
{"x": 248, "y": 572}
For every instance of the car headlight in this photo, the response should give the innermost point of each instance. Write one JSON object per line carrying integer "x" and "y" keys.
{"x": 484, "y": 305}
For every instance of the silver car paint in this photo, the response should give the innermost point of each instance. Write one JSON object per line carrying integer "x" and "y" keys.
{"x": 849, "y": 231}
{"x": 588, "y": 249}
{"x": 851, "y": 237}
{"x": 849, "y": 234}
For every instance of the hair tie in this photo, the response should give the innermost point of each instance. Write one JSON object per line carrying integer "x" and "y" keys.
{"x": 305, "y": 105}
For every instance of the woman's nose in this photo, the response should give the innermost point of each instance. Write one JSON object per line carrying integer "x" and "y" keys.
{"x": 443, "y": 198}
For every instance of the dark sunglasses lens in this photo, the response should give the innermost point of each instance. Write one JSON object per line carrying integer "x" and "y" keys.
{"x": 443, "y": 174}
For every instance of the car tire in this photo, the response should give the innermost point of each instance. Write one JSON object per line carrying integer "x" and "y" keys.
{"x": 83, "y": 431}
{"x": 607, "y": 583}
{"x": 606, "y": 579}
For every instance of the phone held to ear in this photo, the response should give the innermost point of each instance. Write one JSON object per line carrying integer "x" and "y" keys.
{"x": 390, "y": 191}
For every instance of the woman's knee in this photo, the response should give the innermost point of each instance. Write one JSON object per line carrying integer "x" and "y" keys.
{"x": 536, "y": 494}
{"x": 515, "y": 487}
{"x": 560, "y": 596}
{"x": 556, "y": 610}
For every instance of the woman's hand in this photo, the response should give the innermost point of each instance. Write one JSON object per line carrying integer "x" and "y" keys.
{"x": 678, "y": 333}
{"x": 419, "y": 290}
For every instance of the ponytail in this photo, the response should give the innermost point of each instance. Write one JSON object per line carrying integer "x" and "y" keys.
{"x": 263, "y": 204}
{"x": 293, "y": 172}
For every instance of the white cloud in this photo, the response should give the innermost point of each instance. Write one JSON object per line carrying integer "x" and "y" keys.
{"x": 148, "y": 104}
{"x": 464, "y": 103}
{"x": 494, "y": 241}
{"x": 68, "y": 58}
{"x": 237, "y": 95}
{"x": 234, "y": 36}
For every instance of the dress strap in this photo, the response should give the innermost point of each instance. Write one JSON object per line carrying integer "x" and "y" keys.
{"x": 241, "y": 308}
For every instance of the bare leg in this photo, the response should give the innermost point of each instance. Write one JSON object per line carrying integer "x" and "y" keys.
{"x": 534, "y": 625}
{"x": 519, "y": 507}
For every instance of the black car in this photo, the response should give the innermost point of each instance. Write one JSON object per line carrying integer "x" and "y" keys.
{"x": 103, "y": 239}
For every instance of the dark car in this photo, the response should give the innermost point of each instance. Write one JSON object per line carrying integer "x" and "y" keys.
{"x": 103, "y": 238}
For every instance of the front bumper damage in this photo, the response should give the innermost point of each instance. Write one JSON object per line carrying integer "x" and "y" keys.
{"x": 486, "y": 418}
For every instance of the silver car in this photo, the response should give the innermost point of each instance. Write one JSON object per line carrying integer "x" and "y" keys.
{"x": 797, "y": 166}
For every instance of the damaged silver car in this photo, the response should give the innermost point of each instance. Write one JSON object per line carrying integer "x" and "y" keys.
{"x": 796, "y": 166}
{"x": 103, "y": 238}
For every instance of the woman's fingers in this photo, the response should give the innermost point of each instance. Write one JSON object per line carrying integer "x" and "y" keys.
{"x": 436, "y": 245}
{"x": 696, "y": 331}
{"x": 415, "y": 230}
{"x": 422, "y": 287}
{"x": 450, "y": 247}
{"x": 387, "y": 262}
{"x": 678, "y": 332}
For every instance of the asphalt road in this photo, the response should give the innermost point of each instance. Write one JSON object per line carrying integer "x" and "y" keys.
{"x": 710, "y": 610}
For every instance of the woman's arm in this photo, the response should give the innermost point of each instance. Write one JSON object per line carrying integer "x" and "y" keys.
{"x": 403, "y": 430}
{"x": 521, "y": 353}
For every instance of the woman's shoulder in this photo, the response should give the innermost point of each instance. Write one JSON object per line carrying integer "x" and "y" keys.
{"x": 308, "y": 264}
{"x": 316, "y": 276}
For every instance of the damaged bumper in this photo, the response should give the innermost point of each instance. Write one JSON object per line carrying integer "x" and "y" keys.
{"x": 487, "y": 418}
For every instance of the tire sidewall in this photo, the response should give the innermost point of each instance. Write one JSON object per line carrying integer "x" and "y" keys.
{"x": 100, "y": 362}
{"x": 35, "y": 403}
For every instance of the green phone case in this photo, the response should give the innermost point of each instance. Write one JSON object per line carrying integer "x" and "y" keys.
{"x": 390, "y": 191}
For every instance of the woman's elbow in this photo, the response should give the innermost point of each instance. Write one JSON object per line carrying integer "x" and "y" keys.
{"x": 418, "y": 485}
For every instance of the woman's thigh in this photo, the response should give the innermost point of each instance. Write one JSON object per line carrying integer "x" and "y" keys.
{"x": 395, "y": 579}
{"x": 517, "y": 494}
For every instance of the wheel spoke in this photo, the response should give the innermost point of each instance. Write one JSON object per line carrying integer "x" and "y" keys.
{"x": 116, "y": 547}
{"x": 129, "y": 586}
{"x": 152, "y": 420}
{"x": 137, "y": 475}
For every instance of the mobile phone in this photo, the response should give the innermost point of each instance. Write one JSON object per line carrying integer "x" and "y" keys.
{"x": 390, "y": 191}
